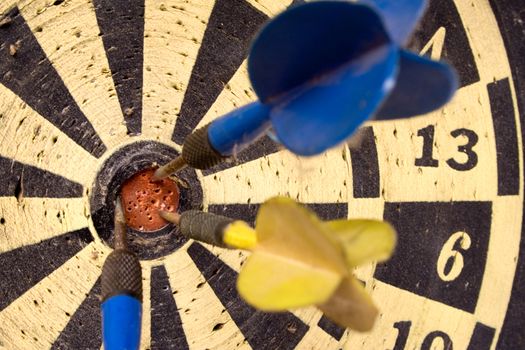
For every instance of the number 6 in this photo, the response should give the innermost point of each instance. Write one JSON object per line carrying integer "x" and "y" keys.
{"x": 448, "y": 252}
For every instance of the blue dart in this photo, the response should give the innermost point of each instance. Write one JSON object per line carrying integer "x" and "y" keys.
{"x": 320, "y": 70}
{"x": 121, "y": 293}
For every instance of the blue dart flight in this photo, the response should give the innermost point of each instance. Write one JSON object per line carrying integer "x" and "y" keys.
{"x": 320, "y": 70}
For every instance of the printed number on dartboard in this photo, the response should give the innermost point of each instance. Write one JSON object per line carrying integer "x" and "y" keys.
{"x": 480, "y": 338}
{"x": 430, "y": 340}
{"x": 470, "y": 157}
{"x": 442, "y": 249}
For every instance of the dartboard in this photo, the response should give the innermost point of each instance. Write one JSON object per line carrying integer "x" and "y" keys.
{"x": 92, "y": 92}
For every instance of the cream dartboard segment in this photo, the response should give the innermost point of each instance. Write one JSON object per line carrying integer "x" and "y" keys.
{"x": 91, "y": 92}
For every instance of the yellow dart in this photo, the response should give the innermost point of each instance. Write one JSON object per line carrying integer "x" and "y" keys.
{"x": 298, "y": 260}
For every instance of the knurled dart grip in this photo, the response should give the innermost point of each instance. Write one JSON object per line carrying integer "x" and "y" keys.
{"x": 121, "y": 274}
{"x": 204, "y": 227}
{"x": 198, "y": 152}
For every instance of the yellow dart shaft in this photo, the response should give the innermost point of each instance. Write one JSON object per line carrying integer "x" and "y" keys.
{"x": 170, "y": 216}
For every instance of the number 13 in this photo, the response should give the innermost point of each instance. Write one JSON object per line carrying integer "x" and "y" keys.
{"x": 427, "y": 159}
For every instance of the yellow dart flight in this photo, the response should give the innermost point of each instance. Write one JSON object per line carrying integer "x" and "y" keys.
{"x": 299, "y": 261}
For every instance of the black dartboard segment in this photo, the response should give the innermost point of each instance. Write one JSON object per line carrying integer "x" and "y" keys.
{"x": 165, "y": 334}
{"x": 331, "y": 328}
{"x": 444, "y": 248}
{"x": 248, "y": 212}
{"x": 25, "y": 69}
{"x": 482, "y": 337}
{"x": 86, "y": 320}
{"x": 506, "y": 137}
{"x": 450, "y": 182}
{"x": 121, "y": 26}
{"x": 17, "y": 179}
{"x": 365, "y": 167}
{"x": 30, "y": 264}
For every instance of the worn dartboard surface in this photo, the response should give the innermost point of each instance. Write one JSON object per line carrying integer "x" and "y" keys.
{"x": 91, "y": 91}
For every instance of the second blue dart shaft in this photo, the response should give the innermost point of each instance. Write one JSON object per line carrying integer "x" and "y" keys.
{"x": 121, "y": 292}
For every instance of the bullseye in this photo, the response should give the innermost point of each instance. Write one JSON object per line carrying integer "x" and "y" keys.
{"x": 142, "y": 198}
{"x": 127, "y": 174}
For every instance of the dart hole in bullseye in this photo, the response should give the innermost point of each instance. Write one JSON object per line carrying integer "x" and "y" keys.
{"x": 142, "y": 198}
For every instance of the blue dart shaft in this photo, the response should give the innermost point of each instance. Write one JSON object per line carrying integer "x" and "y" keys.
{"x": 236, "y": 130}
{"x": 220, "y": 139}
{"x": 121, "y": 315}
{"x": 121, "y": 293}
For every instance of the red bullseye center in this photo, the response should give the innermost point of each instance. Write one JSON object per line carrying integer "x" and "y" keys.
{"x": 142, "y": 198}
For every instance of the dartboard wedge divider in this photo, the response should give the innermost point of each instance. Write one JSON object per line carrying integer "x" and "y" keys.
{"x": 79, "y": 80}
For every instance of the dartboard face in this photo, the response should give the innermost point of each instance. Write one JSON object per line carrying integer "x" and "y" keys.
{"x": 93, "y": 91}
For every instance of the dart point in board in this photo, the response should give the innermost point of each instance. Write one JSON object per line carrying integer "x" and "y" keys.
{"x": 320, "y": 70}
{"x": 121, "y": 300}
